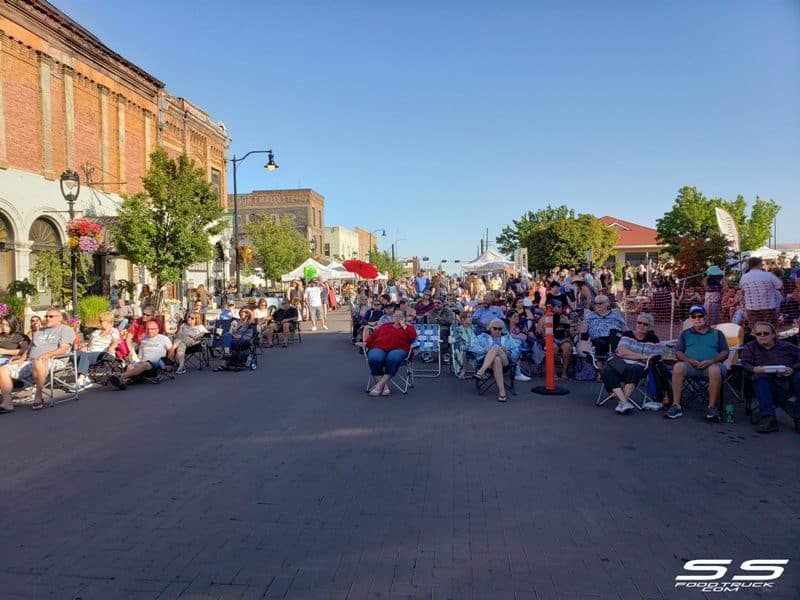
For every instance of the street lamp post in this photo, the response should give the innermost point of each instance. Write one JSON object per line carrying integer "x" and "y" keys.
{"x": 270, "y": 166}
{"x": 70, "y": 183}
{"x": 369, "y": 252}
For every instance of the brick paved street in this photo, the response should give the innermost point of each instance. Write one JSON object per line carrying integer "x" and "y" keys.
{"x": 290, "y": 482}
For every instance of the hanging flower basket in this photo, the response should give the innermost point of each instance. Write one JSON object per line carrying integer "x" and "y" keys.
{"x": 245, "y": 254}
{"x": 85, "y": 236}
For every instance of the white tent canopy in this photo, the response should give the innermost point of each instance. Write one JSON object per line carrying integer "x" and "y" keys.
{"x": 488, "y": 261}
{"x": 297, "y": 273}
{"x": 339, "y": 272}
{"x": 765, "y": 252}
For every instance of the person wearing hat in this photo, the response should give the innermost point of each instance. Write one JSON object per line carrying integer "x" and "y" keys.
{"x": 715, "y": 289}
{"x": 229, "y": 312}
{"x": 562, "y": 334}
{"x": 701, "y": 353}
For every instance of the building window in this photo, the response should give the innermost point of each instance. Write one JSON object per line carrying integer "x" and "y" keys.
{"x": 6, "y": 254}
{"x": 635, "y": 258}
{"x": 215, "y": 181}
{"x": 327, "y": 249}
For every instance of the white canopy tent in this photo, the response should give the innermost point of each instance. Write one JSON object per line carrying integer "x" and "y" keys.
{"x": 339, "y": 272}
{"x": 488, "y": 261}
{"x": 297, "y": 273}
{"x": 765, "y": 252}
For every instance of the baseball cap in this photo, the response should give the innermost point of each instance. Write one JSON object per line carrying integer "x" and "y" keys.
{"x": 697, "y": 308}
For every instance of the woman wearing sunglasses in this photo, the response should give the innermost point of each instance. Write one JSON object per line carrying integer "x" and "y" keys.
{"x": 495, "y": 350}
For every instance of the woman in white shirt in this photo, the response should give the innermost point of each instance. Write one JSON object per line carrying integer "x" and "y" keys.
{"x": 102, "y": 341}
{"x": 189, "y": 334}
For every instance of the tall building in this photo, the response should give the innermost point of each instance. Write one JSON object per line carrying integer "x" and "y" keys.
{"x": 305, "y": 207}
{"x": 67, "y": 101}
{"x": 340, "y": 243}
{"x": 366, "y": 243}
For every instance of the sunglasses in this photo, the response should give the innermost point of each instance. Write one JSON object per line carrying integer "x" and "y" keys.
{"x": 697, "y": 316}
{"x": 645, "y": 323}
{"x": 497, "y": 329}
{"x": 762, "y": 333}
{"x": 51, "y": 316}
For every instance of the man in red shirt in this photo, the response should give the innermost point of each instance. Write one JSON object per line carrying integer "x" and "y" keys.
{"x": 137, "y": 329}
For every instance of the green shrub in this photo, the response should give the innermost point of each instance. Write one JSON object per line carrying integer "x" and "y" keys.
{"x": 90, "y": 307}
{"x": 16, "y": 305}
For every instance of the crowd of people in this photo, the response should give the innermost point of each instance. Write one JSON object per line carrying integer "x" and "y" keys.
{"x": 488, "y": 323}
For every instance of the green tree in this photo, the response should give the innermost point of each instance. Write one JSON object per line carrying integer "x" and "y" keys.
{"x": 167, "y": 227}
{"x": 384, "y": 262}
{"x": 278, "y": 246}
{"x": 692, "y": 215}
{"x": 564, "y": 242}
{"x": 558, "y": 237}
{"x": 511, "y": 236}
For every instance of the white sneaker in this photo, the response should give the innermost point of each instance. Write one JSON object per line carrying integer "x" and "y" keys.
{"x": 618, "y": 408}
{"x": 314, "y": 328}
{"x": 626, "y": 408}
{"x": 325, "y": 327}
{"x": 522, "y": 377}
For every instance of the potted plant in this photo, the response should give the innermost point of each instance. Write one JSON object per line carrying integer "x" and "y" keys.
{"x": 89, "y": 309}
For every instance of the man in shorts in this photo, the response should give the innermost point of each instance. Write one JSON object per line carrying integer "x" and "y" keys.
{"x": 314, "y": 303}
{"x": 53, "y": 340}
{"x": 153, "y": 347}
{"x": 701, "y": 352}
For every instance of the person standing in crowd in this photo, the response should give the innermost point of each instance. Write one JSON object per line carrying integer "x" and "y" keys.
{"x": 313, "y": 299}
{"x": 421, "y": 283}
{"x": 715, "y": 288}
{"x": 760, "y": 287}
{"x": 627, "y": 279}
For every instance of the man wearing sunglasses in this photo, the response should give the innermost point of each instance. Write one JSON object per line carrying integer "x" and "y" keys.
{"x": 54, "y": 339}
{"x": 702, "y": 352}
{"x": 775, "y": 368}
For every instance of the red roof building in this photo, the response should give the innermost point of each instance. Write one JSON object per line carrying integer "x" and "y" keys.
{"x": 636, "y": 244}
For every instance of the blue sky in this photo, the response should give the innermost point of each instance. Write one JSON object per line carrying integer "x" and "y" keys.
{"x": 439, "y": 119}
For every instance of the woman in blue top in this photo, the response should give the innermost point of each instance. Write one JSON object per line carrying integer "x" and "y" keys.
{"x": 495, "y": 351}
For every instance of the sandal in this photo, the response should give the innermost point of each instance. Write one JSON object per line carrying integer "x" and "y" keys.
{"x": 37, "y": 405}
{"x": 386, "y": 391}
{"x": 375, "y": 391}
{"x": 501, "y": 398}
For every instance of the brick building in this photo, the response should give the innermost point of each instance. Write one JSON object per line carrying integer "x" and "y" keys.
{"x": 366, "y": 243}
{"x": 305, "y": 207}
{"x": 67, "y": 101}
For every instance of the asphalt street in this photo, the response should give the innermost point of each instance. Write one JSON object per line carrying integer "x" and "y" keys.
{"x": 291, "y": 482}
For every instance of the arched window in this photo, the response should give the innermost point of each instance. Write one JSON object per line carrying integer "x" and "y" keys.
{"x": 6, "y": 253}
{"x": 44, "y": 236}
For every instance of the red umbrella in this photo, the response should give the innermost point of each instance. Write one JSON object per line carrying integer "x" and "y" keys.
{"x": 363, "y": 269}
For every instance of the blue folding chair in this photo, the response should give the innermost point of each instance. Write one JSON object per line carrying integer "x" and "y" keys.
{"x": 429, "y": 347}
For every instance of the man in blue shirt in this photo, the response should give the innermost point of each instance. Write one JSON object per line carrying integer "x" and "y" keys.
{"x": 485, "y": 312}
{"x": 421, "y": 283}
{"x": 702, "y": 352}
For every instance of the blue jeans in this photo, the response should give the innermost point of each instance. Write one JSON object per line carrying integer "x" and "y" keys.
{"x": 385, "y": 363}
{"x": 768, "y": 384}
